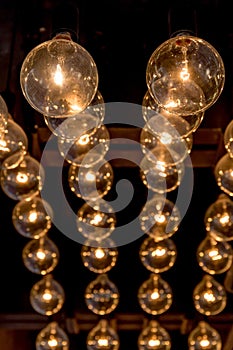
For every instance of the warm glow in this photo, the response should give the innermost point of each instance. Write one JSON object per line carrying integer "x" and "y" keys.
{"x": 58, "y": 76}
{"x": 90, "y": 176}
{"x": 21, "y": 178}
{"x": 209, "y": 297}
{"x": 159, "y": 252}
{"x": 52, "y": 342}
{"x": 165, "y": 138}
{"x": 47, "y": 296}
{"x": 97, "y": 219}
{"x": 204, "y": 343}
{"x": 99, "y": 253}
{"x": 155, "y": 295}
{"x": 184, "y": 74}
{"x": 40, "y": 255}
{"x": 32, "y": 216}
{"x": 160, "y": 218}
{"x": 83, "y": 140}
{"x": 171, "y": 104}
{"x": 224, "y": 219}
{"x": 103, "y": 342}
{"x": 154, "y": 342}
{"x": 214, "y": 254}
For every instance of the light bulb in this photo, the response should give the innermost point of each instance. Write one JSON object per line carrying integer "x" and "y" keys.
{"x": 59, "y": 77}
{"x": 153, "y": 336}
{"x": 209, "y": 296}
{"x": 40, "y": 255}
{"x": 214, "y": 257}
{"x": 3, "y": 115}
{"x": 223, "y": 173}
{"x": 219, "y": 219}
{"x": 32, "y": 218}
{"x": 228, "y": 138}
{"x": 159, "y": 256}
{"x": 151, "y": 110}
{"x": 161, "y": 178}
{"x": 204, "y": 337}
{"x": 22, "y": 176}
{"x": 86, "y": 150}
{"x": 180, "y": 78}
{"x": 103, "y": 336}
{"x": 101, "y": 295}
{"x": 91, "y": 183}
{"x": 159, "y": 218}
{"x": 12, "y": 140}
{"x": 99, "y": 257}
{"x": 85, "y": 122}
{"x": 47, "y": 296}
{"x": 96, "y": 220}
{"x": 155, "y": 295}
{"x": 52, "y": 337}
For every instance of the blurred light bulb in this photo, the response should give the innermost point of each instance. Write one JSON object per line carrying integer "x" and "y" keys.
{"x": 47, "y": 296}
{"x": 101, "y": 295}
{"x": 59, "y": 77}
{"x": 153, "y": 336}
{"x": 214, "y": 257}
{"x": 32, "y": 218}
{"x": 223, "y": 173}
{"x": 180, "y": 79}
{"x": 228, "y": 138}
{"x": 40, "y": 256}
{"x": 158, "y": 256}
{"x": 99, "y": 257}
{"x": 209, "y": 296}
{"x": 52, "y": 337}
{"x": 3, "y": 115}
{"x": 102, "y": 336}
{"x": 204, "y": 337}
{"x": 155, "y": 295}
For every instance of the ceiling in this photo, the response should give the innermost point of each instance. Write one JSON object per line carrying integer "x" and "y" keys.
{"x": 121, "y": 36}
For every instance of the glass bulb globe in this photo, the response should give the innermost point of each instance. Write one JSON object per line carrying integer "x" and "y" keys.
{"x": 223, "y": 173}
{"x": 40, "y": 255}
{"x": 151, "y": 110}
{"x": 181, "y": 79}
{"x": 160, "y": 178}
{"x": 158, "y": 256}
{"x": 209, "y": 296}
{"x": 99, "y": 257}
{"x": 228, "y": 280}
{"x": 12, "y": 140}
{"x": 103, "y": 336}
{"x": 159, "y": 218}
{"x": 32, "y": 218}
{"x": 85, "y": 122}
{"x": 214, "y": 257}
{"x": 219, "y": 219}
{"x": 3, "y": 115}
{"x": 204, "y": 337}
{"x": 153, "y": 336}
{"x": 47, "y": 296}
{"x": 86, "y": 150}
{"x": 101, "y": 295}
{"x": 52, "y": 337}
{"x": 22, "y": 176}
{"x": 155, "y": 295}
{"x": 91, "y": 183}
{"x": 96, "y": 220}
{"x": 59, "y": 77}
{"x": 228, "y": 138}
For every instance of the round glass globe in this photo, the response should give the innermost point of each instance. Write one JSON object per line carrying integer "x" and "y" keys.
{"x": 153, "y": 336}
{"x": 47, "y": 296}
{"x": 59, "y": 77}
{"x": 185, "y": 75}
{"x": 101, "y": 295}
{"x": 3, "y": 115}
{"x": 52, "y": 337}
{"x": 102, "y": 336}
{"x": 228, "y": 138}
{"x": 223, "y": 173}
{"x": 32, "y": 218}
{"x": 22, "y": 176}
{"x": 204, "y": 337}
{"x": 40, "y": 256}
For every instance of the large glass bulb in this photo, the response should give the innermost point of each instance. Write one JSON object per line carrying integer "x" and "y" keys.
{"x": 209, "y": 296}
{"x": 47, "y": 296}
{"x": 223, "y": 173}
{"x": 185, "y": 75}
{"x": 228, "y": 138}
{"x": 91, "y": 183}
{"x": 3, "y": 115}
{"x": 86, "y": 150}
{"x": 158, "y": 256}
{"x": 12, "y": 140}
{"x": 153, "y": 336}
{"x": 32, "y": 218}
{"x": 204, "y": 337}
{"x": 214, "y": 257}
{"x": 40, "y": 255}
{"x": 52, "y": 337}
{"x": 96, "y": 220}
{"x": 59, "y": 77}
{"x": 101, "y": 295}
{"x": 155, "y": 295}
{"x": 103, "y": 336}
{"x": 99, "y": 257}
{"x": 159, "y": 218}
{"x": 81, "y": 123}
{"x": 219, "y": 219}
{"x": 22, "y": 176}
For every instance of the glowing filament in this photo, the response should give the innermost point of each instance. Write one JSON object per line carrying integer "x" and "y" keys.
{"x": 52, "y": 342}
{"x": 103, "y": 342}
{"x": 40, "y": 255}
{"x": 209, "y": 297}
{"x": 204, "y": 343}
{"x": 165, "y": 138}
{"x": 159, "y": 218}
{"x": 97, "y": 219}
{"x": 99, "y": 253}
{"x": 184, "y": 75}
{"x": 155, "y": 295}
{"x": 224, "y": 219}
{"x": 21, "y": 178}
{"x": 83, "y": 140}
{"x": 214, "y": 254}
{"x": 58, "y": 76}
{"x": 32, "y": 216}
{"x": 159, "y": 252}
{"x": 90, "y": 176}
{"x": 153, "y": 342}
{"x": 47, "y": 296}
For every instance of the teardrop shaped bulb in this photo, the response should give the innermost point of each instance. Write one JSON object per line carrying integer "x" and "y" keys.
{"x": 52, "y": 337}
{"x": 153, "y": 336}
{"x": 204, "y": 337}
{"x": 103, "y": 336}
